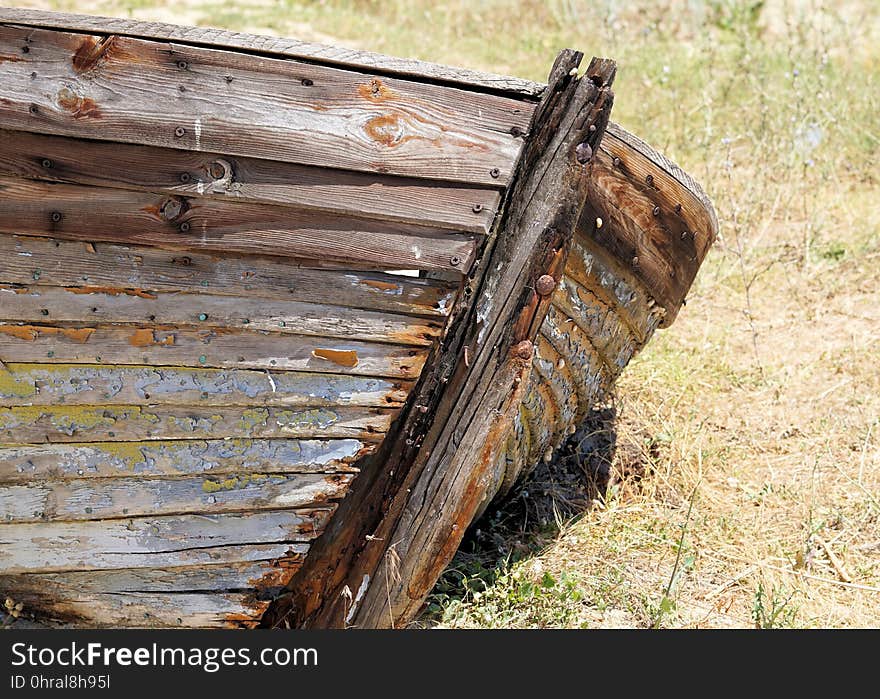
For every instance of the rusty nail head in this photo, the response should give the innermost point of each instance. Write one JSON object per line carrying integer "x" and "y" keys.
{"x": 56, "y": 217}
{"x": 179, "y": 131}
{"x": 455, "y": 260}
{"x": 185, "y": 177}
{"x": 523, "y": 350}
{"x": 495, "y": 172}
{"x": 182, "y": 65}
{"x": 216, "y": 170}
{"x": 656, "y": 211}
{"x": 592, "y": 128}
{"x": 649, "y": 179}
{"x": 184, "y": 227}
{"x": 584, "y": 153}
{"x": 545, "y": 285}
{"x": 477, "y": 208}
{"x": 307, "y": 82}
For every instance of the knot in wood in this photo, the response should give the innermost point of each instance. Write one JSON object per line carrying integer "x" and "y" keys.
{"x": 545, "y": 285}
{"x": 584, "y": 153}
{"x": 523, "y": 349}
{"x": 171, "y": 209}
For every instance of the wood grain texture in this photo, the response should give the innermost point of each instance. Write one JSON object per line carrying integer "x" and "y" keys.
{"x": 438, "y": 475}
{"x": 170, "y": 346}
{"x": 180, "y": 96}
{"x": 41, "y": 304}
{"x": 75, "y": 212}
{"x": 190, "y": 457}
{"x": 157, "y": 542}
{"x": 657, "y": 220}
{"x": 58, "y": 424}
{"x": 191, "y": 173}
{"x": 227, "y": 595}
{"x": 27, "y": 260}
{"x": 270, "y": 45}
{"x": 85, "y": 499}
{"x": 84, "y": 384}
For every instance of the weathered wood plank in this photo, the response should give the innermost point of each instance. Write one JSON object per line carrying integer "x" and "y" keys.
{"x": 421, "y": 493}
{"x": 180, "y": 96}
{"x": 27, "y": 260}
{"x": 47, "y": 304}
{"x": 229, "y": 594}
{"x": 109, "y": 498}
{"x": 654, "y": 224}
{"x": 91, "y": 214}
{"x": 318, "y": 53}
{"x": 77, "y": 384}
{"x": 190, "y": 173}
{"x": 56, "y": 424}
{"x": 170, "y": 346}
{"x": 157, "y": 542}
{"x": 27, "y": 463}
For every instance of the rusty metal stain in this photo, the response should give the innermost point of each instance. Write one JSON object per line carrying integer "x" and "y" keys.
{"x": 10, "y": 58}
{"x": 376, "y": 91}
{"x": 346, "y": 358}
{"x": 144, "y": 337}
{"x": 382, "y": 286}
{"x": 91, "y": 51}
{"x": 111, "y": 291}
{"x": 78, "y": 106}
{"x": 30, "y": 333}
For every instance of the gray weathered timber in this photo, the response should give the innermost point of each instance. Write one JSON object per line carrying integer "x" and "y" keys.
{"x": 106, "y": 266}
{"x": 58, "y": 424}
{"x": 47, "y": 304}
{"x": 92, "y": 214}
{"x": 425, "y": 511}
{"x": 83, "y": 384}
{"x": 157, "y": 542}
{"x": 184, "y": 457}
{"x": 118, "y": 88}
{"x": 271, "y": 45}
{"x": 167, "y": 345}
{"x": 192, "y": 173}
{"x": 84, "y": 499}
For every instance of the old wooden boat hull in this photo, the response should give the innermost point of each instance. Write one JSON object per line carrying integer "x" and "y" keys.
{"x": 218, "y": 399}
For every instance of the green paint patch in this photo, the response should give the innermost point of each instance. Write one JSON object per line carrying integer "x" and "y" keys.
{"x": 233, "y": 482}
{"x": 12, "y": 386}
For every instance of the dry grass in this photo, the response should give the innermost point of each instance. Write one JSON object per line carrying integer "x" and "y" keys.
{"x": 753, "y": 422}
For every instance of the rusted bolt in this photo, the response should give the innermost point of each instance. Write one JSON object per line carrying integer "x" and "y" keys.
{"x": 185, "y": 177}
{"x": 584, "y": 153}
{"x": 56, "y": 217}
{"x": 171, "y": 209}
{"x": 678, "y": 208}
{"x": 477, "y": 208}
{"x": 649, "y": 179}
{"x": 516, "y": 131}
{"x": 184, "y": 227}
{"x": 545, "y": 285}
{"x": 635, "y": 261}
{"x": 33, "y": 109}
{"x": 46, "y": 163}
{"x": 495, "y": 173}
{"x": 615, "y": 161}
{"x": 455, "y": 260}
{"x": 44, "y": 311}
{"x": 523, "y": 350}
{"x": 179, "y": 131}
{"x": 183, "y": 65}
{"x": 656, "y": 211}
{"x": 216, "y": 170}
{"x": 307, "y": 82}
